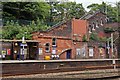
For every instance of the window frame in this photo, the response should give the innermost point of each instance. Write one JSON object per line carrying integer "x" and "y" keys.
{"x": 54, "y": 41}
{"x": 47, "y": 47}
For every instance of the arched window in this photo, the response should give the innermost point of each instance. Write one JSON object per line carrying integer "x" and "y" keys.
{"x": 54, "y": 42}
{"x": 93, "y": 26}
{"x": 47, "y": 47}
{"x": 101, "y": 22}
{"x": 90, "y": 29}
{"x": 97, "y": 24}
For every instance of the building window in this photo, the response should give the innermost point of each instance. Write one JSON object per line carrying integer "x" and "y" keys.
{"x": 91, "y": 52}
{"x": 93, "y": 26}
{"x": 47, "y": 47}
{"x": 101, "y": 22}
{"x": 97, "y": 24}
{"x": 54, "y": 42}
{"x": 40, "y": 51}
{"x": 78, "y": 51}
{"x": 90, "y": 29}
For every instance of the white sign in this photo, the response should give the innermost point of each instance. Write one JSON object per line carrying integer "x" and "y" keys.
{"x": 40, "y": 51}
{"x": 91, "y": 52}
{"x": 53, "y": 51}
{"x": 21, "y": 51}
{"x": 23, "y": 44}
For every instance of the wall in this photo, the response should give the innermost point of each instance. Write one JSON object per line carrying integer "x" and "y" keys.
{"x": 61, "y": 43}
{"x": 79, "y": 29}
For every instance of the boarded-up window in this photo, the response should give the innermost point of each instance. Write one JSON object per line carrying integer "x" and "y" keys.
{"x": 78, "y": 51}
{"x": 40, "y": 51}
{"x": 91, "y": 52}
{"x": 83, "y": 51}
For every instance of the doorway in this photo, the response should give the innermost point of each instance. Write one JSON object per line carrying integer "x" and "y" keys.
{"x": 68, "y": 54}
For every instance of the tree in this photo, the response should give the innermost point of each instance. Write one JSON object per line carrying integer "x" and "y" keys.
{"x": 106, "y": 8}
{"x": 25, "y": 11}
{"x": 65, "y": 11}
{"x": 118, "y": 6}
{"x": 14, "y": 30}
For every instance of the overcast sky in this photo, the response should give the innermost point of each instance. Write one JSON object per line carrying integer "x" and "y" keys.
{"x": 88, "y": 2}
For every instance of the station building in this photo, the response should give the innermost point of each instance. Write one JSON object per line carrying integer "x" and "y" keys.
{"x": 63, "y": 40}
{"x": 77, "y": 39}
{"x": 83, "y": 38}
{"x": 13, "y": 49}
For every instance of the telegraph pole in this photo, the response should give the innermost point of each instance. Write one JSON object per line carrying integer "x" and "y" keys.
{"x": 119, "y": 30}
{"x": 112, "y": 44}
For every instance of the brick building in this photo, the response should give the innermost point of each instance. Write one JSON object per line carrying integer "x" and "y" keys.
{"x": 13, "y": 49}
{"x": 100, "y": 35}
{"x": 63, "y": 40}
{"x": 76, "y": 38}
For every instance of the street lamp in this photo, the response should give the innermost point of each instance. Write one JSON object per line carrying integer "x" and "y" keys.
{"x": 23, "y": 44}
{"x": 108, "y": 45}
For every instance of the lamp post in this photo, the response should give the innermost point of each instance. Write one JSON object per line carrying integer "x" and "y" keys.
{"x": 23, "y": 46}
{"x": 108, "y": 46}
{"x": 112, "y": 44}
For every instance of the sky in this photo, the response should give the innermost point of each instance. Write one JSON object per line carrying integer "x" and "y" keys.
{"x": 88, "y": 2}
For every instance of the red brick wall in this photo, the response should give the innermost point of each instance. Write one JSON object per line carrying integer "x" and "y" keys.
{"x": 62, "y": 44}
{"x": 79, "y": 28}
{"x": 79, "y": 45}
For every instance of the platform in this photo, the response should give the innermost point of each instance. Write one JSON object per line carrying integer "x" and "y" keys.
{"x": 67, "y": 60}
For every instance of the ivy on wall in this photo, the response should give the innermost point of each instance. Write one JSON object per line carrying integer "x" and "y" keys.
{"x": 109, "y": 30}
{"x": 94, "y": 37}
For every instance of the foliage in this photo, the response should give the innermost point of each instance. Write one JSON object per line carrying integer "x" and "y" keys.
{"x": 94, "y": 37}
{"x": 69, "y": 10}
{"x": 104, "y": 39}
{"x": 111, "y": 11}
{"x": 118, "y": 11}
{"x": 50, "y": 12}
{"x": 84, "y": 39}
{"x": 108, "y": 30}
{"x": 25, "y": 11}
{"x": 14, "y": 30}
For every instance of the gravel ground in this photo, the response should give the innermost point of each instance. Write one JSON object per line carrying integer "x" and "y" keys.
{"x": 74, "y": 74}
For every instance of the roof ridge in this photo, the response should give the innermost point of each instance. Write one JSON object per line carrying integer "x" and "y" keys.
{"x": 57, "y": 25}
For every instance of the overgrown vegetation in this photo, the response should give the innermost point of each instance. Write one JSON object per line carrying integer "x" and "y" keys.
{"x": 94, "y": 37}
{"x": 21, "y": 17}
{"x": 15, "y": 31}
{"x": 84, "y": 39}
{"x": 109, "y": 30}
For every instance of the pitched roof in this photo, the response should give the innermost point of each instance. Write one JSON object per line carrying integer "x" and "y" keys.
{"x": 57, "y": 25}
{"x": 113, "y": 24}
{"x": 53, "y": 27}
{"x": 89, "y": 15}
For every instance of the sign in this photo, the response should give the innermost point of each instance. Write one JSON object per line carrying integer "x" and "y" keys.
{"x": 8, "y": 51}
{"x": 21, "y": 51}
{"x": 113, "y": 61}
{"x": 101, "y": 51}
{"x": 53, "y": 51}
{"x": 3, "y": 52}
{"x": 23, "y": 44}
